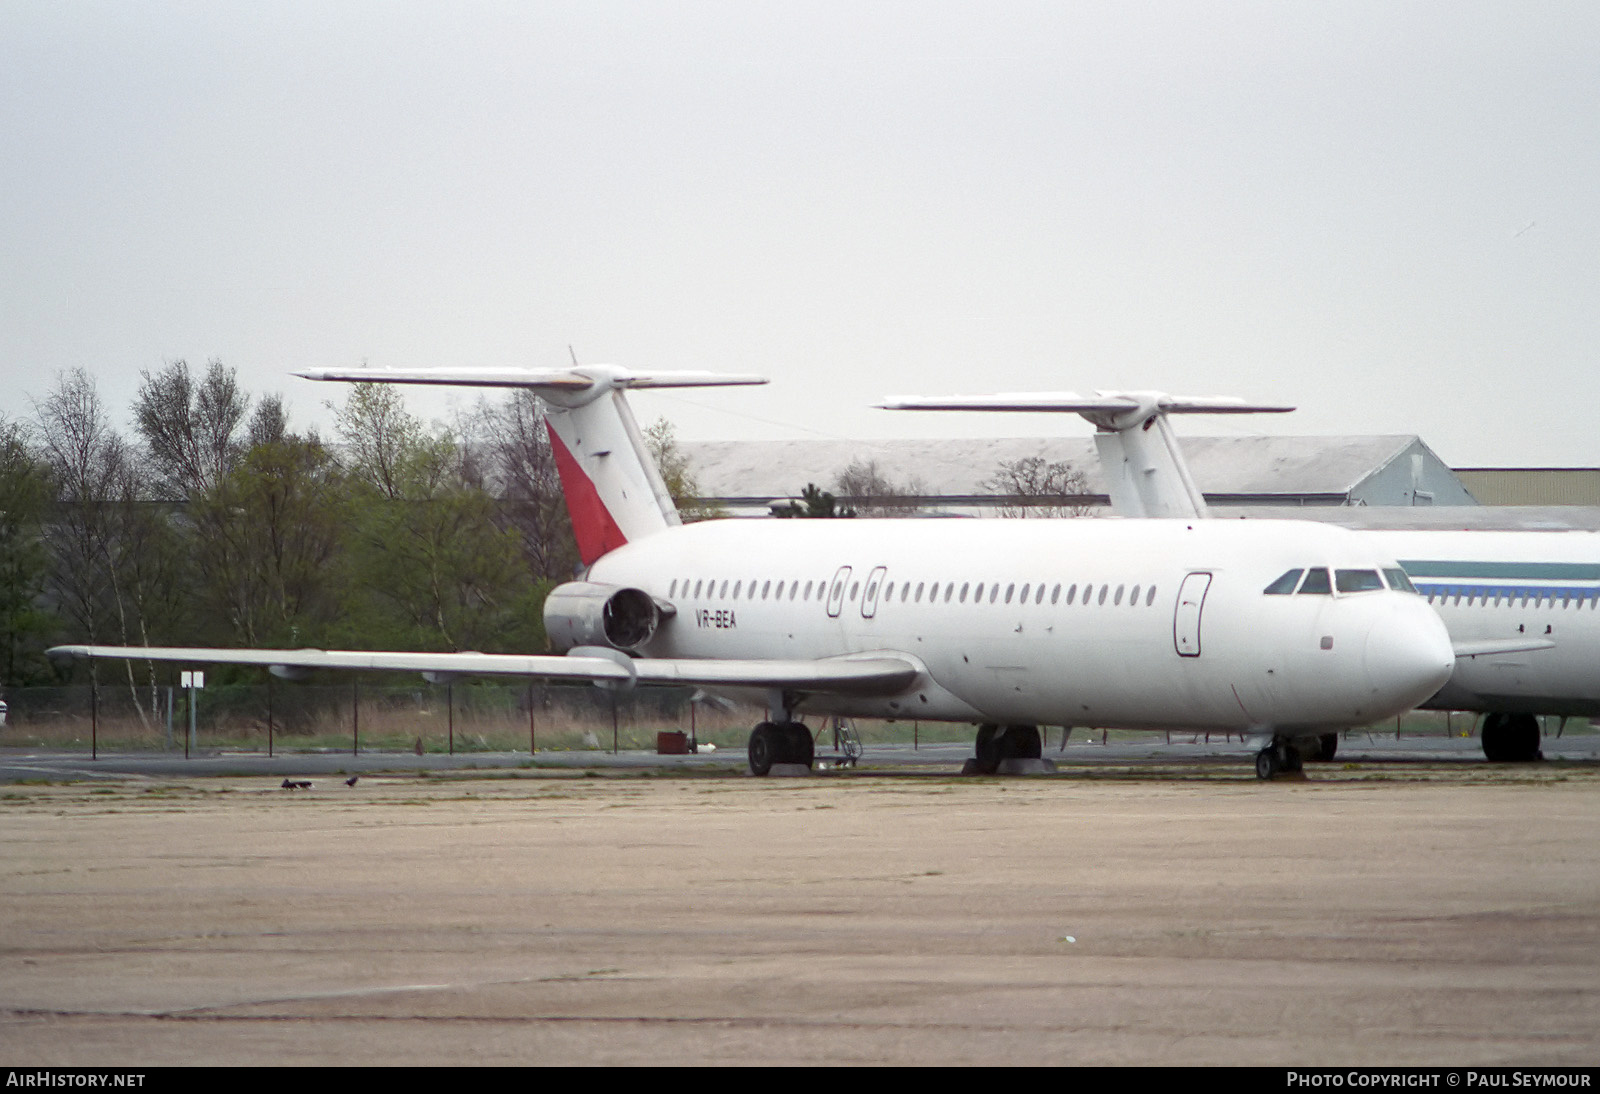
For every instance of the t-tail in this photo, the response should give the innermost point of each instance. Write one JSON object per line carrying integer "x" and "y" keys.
{"x": 1145, "y": 472}
{"x": 615, "y": 493}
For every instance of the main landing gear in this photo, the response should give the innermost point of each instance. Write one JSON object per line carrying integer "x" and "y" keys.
{"x": 996, "y": 744}
{"x": 1511, "y": 738}
{"x": 1281, "y": 757}
{"x": 780, "y": 743}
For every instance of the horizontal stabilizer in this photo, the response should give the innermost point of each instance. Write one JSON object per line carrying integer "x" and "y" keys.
{"x": 573, "y": 379}
{"x": 1101, "y": 402}
{"x": 1479, "y": 647}
{"x": 874, "y": 674}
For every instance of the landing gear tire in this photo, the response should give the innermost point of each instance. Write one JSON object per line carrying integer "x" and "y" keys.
{"x": 986, "y": 752}
{"x": 1021, "y": 743}
{"x": 996, "y": 744}
{"x": 766, "y": 744}
{"x": 801, "y": 748}
{"x": 1278, "y": 758}
{"x": 1511, "y": 738}
{"x": 780, "y": 743}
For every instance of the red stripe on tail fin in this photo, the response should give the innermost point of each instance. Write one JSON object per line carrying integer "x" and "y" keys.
{"x": 592, "y": 523}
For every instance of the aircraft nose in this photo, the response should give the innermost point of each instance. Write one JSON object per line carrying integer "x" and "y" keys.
{"x": 1408, "y": 654}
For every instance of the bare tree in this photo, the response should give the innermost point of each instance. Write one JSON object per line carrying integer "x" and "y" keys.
{"x": 270, "y": 423}
{"x": 85, "y": 457}
{"x": 872, "y": 493}
{"x": 97, "y": 491}
{"x": 1035, "y": 487}
{"x": 511, "y": 448}
{"x": 379, "y": 434}
{"x": 191, "y": 430}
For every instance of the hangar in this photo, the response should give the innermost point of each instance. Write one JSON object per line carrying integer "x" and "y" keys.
{"x": 959, "y": 476}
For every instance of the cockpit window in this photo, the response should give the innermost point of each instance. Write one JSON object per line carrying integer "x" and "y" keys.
{"x": 1316, "y": 582}
{"x": 1357, "y": 581}
{"x": 1284, "y": 585}
{"x": 1398, "y": 581}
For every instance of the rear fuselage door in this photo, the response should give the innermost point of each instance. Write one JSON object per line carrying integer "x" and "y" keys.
{"x": 1186, "y": 619}
{"x": 869, "y": 598}
{"x": 841, "y": 581}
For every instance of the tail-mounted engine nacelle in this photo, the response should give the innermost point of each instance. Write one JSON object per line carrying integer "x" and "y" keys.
{"x": 581, "y": 613}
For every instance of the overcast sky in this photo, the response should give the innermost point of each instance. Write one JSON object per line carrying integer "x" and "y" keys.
{"x": 1387, "y": 213}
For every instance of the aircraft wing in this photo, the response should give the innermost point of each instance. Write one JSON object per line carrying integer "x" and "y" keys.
{"x": 1475, "y": 647}
{"x": 861, "y": 674}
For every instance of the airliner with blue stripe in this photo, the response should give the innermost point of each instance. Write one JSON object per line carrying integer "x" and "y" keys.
{"x": 1504, "y": 581}
{"x": 1504, "y": 586}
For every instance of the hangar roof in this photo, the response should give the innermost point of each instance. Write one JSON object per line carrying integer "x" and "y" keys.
{"x": 1252, "y": 465}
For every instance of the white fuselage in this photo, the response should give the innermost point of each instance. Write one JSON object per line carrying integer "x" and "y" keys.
{"x": 1145, "y": 624}
{"x": 1511, "y": 585}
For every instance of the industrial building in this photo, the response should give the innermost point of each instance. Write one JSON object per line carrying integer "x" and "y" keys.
{"x": 958, "y": 476}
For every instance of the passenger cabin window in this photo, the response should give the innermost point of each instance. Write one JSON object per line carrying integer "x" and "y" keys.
{"x": 1316, "y": 583}
{"x": 1284, "y": 585}
{"x": 1150, "y": 597}
{"x": 1357, "y": 581}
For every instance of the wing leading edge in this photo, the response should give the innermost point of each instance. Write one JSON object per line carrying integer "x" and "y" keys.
{"x": 869, "y": 674}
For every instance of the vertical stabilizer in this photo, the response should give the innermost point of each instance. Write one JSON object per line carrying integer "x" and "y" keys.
{"x": 1145, "y": 473}
{"x": 613, "y": 489}
{"x": 1144, "y": 468}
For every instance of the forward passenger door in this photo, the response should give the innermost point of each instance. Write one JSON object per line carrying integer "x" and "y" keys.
{"x": 1186, "y": 618}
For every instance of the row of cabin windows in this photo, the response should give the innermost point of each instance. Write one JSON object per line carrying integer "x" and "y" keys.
{"x": 1516, "y": 598}
{"x": 711, "y": 590}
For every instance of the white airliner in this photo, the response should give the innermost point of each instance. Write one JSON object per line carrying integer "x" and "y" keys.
{"x": 1497, "y": 587}
{"x": 1148, "y": 624}
{"x": 1522, "y": 608}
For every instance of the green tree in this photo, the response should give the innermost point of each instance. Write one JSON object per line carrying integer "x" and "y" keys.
{"x": 25, "y": 624}
{"x": 273, "y": 546}
{"x": 814, "y": 503}
{"x": 662, "y": 441}
{"x": 431, "y": 566}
